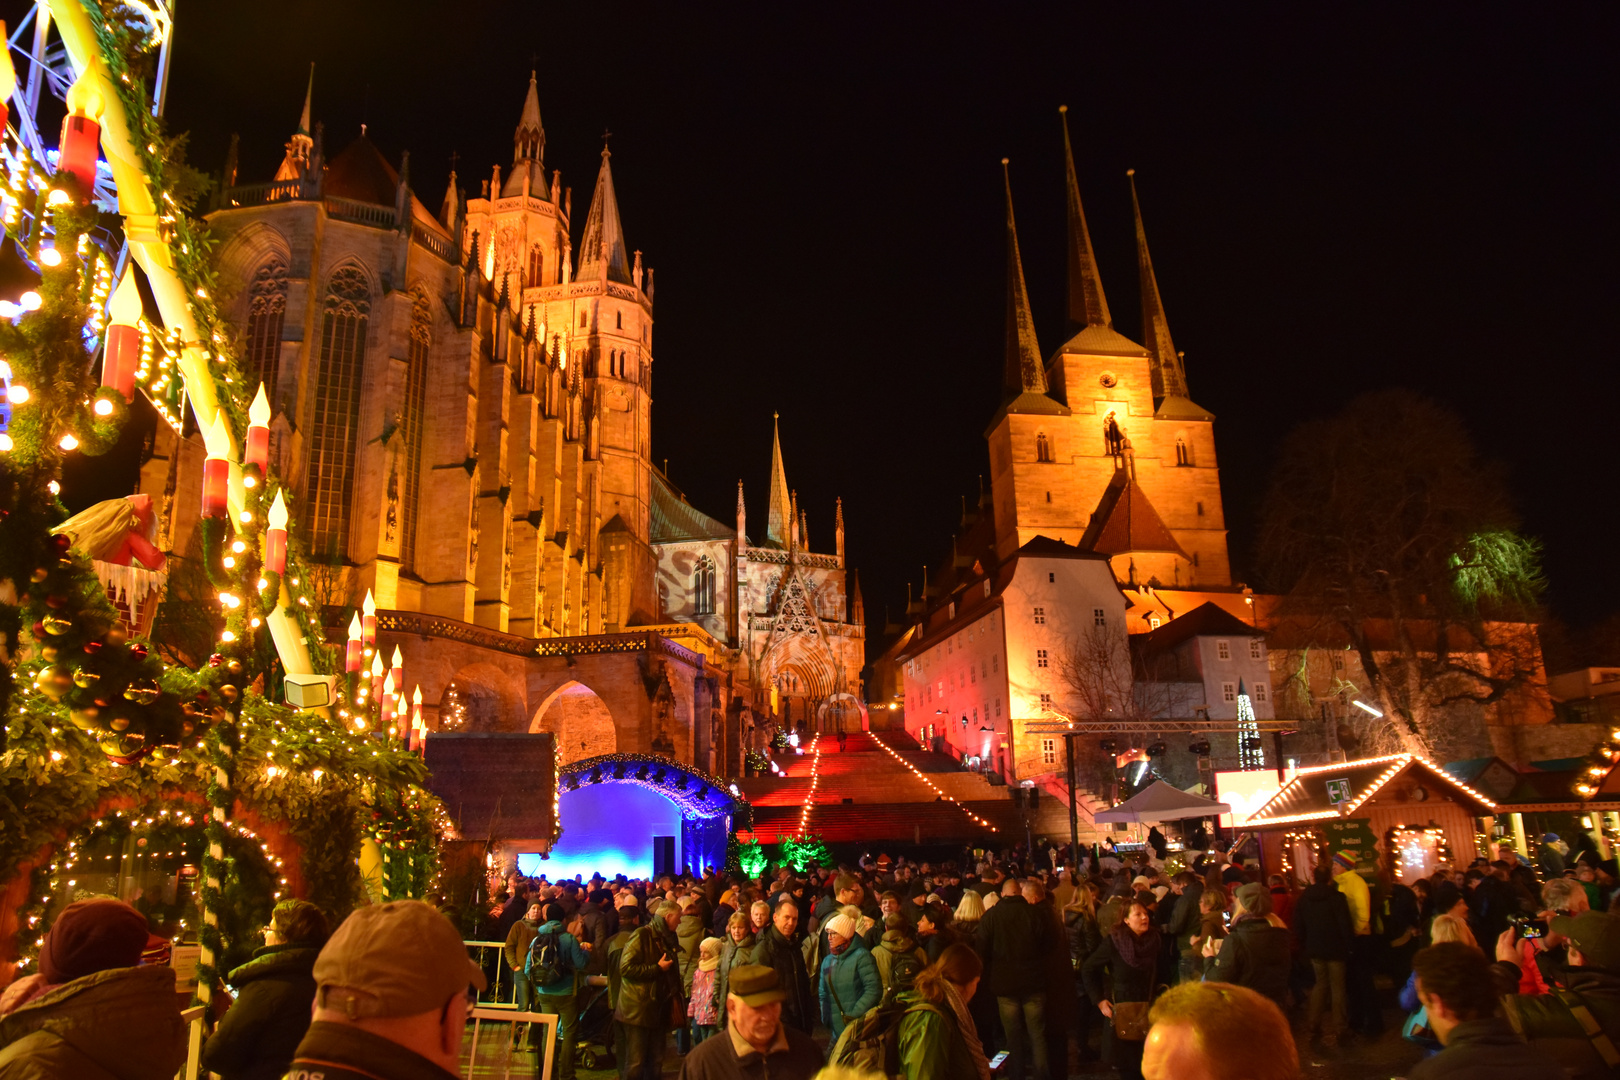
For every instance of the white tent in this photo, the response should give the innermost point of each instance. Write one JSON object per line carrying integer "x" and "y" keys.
{"x": 1160, "y": 801}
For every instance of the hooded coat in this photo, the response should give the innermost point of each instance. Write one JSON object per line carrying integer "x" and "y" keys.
{"x": 260, "y": 1032}
{"x": 120, "y": 1024}
{"x": 849, "y": 986}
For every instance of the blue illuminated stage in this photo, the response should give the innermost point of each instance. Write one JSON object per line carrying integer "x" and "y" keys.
{"x": 637, "y": 815}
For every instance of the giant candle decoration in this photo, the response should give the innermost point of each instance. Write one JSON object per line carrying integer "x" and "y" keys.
{"x": 387, "y": 704}
{"x": 351, "y": 659}
{"x": 418, "y": 731}
{"x": 8, "y": 77}
{"x": 275, "y": 538}
{"x": 257, "y": 449}
{"x": 216, "y": 471}
{"x": 81, "y": 133}
{"x": 122, "y": 355}
{"x": 368, "y": 622}
{"x": 396, "y": 668}
{"x": 376, "y": 678}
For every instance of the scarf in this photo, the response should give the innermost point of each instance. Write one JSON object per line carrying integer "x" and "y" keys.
{"x": 1138, "y": 950}
{"x": 970, "y": 1031}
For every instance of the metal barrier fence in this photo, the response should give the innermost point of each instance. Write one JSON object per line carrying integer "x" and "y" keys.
{"x": 490, "y": 956}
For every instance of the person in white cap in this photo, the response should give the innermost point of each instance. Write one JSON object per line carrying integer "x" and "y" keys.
{"x": 391, "y": 997}
{"x": 850, "y": 984}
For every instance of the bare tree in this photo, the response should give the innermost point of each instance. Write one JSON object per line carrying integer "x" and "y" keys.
{"x": 1107, "y": 682}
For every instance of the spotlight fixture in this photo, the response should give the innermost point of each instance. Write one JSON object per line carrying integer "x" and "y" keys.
{"x": 1200, "y": 748}
{"x": 1108, "y": 746}
{"x": 1158, "y": 749}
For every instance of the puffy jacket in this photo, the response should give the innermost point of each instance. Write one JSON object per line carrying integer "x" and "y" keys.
{"x": 849, "y": 986}
{"x": 518, "y": 939}
{"x": 1322, "y": 923}
{"x": 261, "y": 1030}
{"x": 733, "y": 954}
{"x": 122, "y": 1024}
{"x": 1546, "y": 1023}
{"x": 1486, "y": 1050}
{"x": 931, "y": 1043}
{"x": 1184, "y": 920}
{"x": 776, "y": 951}
{"x": 1255, "y": 955}
{"x": 1014, "y": 938}
{"x": 647, "y": 991}
{"x": 573, "y": 959}
{"x": 1358, "y": 896}
{"x": 690, "y": 932}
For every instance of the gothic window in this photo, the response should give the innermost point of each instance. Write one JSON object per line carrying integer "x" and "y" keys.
{"x": 1043, "y": 449}
{"x": 267, "y": 304}
{"x": 537, "y": 265}
{"x": 334, "y": 433}
{"x": 1183, "y": 451}
{"x": 703, "y": 587}
{"x": 412, "y": 420}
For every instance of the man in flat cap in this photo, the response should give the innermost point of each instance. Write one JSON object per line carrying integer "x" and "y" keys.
{"x": 756, "y": 1044}
{"x": 391, "y": 998}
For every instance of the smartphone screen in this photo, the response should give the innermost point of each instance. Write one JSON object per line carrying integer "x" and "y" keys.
{"x": 1533, "y": 928}
{"x": 995, "y": 1062}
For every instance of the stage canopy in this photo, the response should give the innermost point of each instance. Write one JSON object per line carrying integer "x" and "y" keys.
{"x": 1160, "y": 801}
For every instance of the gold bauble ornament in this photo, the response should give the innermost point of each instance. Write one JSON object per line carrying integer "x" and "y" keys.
{"x": 234, "y": 667}
{"x": 229, "y": 692}
{"x": 39, "y": 575}
{"x": 55, "y": 682}
{"x": 119, "y": 723}
{"x": 84, "y": 719}
{"x": 57, "y": 625}
{"x": 142, "y": 691}
{"x": 84, "y": 680}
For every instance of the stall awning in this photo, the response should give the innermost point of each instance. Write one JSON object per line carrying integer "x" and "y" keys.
{"x": 1160, "y": 801}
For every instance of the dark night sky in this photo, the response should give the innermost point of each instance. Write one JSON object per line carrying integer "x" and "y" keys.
{"x": 1339, "y": 198}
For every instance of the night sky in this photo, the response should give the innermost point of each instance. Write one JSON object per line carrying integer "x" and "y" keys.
{"x": 1338, "y": 199}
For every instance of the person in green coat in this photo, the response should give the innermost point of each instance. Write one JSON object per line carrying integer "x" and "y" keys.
{"x": 649, "y": 988}
{"x": 738, "y": 951}
{"x": 938, "y": 1040}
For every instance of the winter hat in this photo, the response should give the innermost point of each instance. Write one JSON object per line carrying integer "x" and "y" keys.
{"x": 1141, "y": 881}
{"x": 709, "y": 954}
{"x": 842, "y": 925}
{"x": 91, "y": 936}
{"x": 1255, "y": 898}
{"x": 1346, "y": 858}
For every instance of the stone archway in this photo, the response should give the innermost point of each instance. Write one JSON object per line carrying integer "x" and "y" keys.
{"x": 580, "y": 720}
{"x": 480, "y": 697}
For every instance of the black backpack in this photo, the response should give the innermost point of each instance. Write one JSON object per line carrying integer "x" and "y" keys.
{"x": 546, "y": 965}
{"x": 871, "y": 1044}
{"x": 903, "y": 971}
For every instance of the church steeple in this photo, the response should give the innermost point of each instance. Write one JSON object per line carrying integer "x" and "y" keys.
{"x": 604, "y": 235}
{"x": 1023, "y": 373}
{"x": 1169, "y": 377}
{"x": 1087, "y": 304}
{"x": 528, "y": 175}
{"x": 779, "y": 520}
{"x": 296, "y": 164}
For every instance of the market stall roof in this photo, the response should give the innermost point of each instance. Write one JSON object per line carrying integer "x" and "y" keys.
{"x": 1331, "y": 791}
{"x": 1160, "y": 801}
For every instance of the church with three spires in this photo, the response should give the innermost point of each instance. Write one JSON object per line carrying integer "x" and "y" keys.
{"x": 461, "y": 404}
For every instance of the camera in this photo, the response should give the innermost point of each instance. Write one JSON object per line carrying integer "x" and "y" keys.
{"x": 1527, "y": 926}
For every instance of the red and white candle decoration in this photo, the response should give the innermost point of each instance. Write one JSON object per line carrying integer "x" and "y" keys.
{"x": 81, "y": 133}
{"x": 275, "y": 538}
{"x": 396, "y": 668}
{"x": 217, "y": 470}
{"x": 418, "y": 729}
{"x": 368, "y": 623}
{"x": 386, "y": 704}
{"x": 122, "y": 356}
{"x": 257, "y": 449}
{"x": 376, "y": 678}
{"x": 8, "y": 77}
{"x": 352, "y": 658}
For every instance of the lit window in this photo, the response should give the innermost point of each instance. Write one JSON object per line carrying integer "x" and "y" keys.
{"x": 1259, "y": 691}
{"x": 1099, "y": 617}
{"x": 1223, "y": 650}
{"x": 1255, "y": 649}
{"x": 1048, "y": 751}
{"x": 1154, "y": 621}
{"x": 1228, "y": 691}
{"x": 703, "y": 587}
{"x": 1040, "y": 615}
{"x": 1040, "y": 657}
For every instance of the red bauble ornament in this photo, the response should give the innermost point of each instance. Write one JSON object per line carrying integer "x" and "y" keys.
{"x": 56, "y": 603}
{"x": 92, "y": 647}
{"x": 216, "y": 660}
{"x": 61, "y": 542}
{"x": 137, "y": 650}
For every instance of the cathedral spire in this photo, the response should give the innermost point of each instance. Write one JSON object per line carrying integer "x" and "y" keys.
{"x": 742, "y": 519}
{"x": 793, "y": 521}
{"x": 1087, "y": 304}
{"x": 604, "y": 235}
{"x": 1169, "y": 378}
{"x": 1024, "y": 373}
{"x": 447, "y": 212}
{"x": 530, "y": 139}
{"x": 838, "y": 528}
{"x": 778, "y": 521}
{"x": 296, "y": 164}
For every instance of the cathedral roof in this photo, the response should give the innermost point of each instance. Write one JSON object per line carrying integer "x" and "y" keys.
{"x": 361, "y": 173}
{"x": 1125, "y": 521}
{"x": 674, "y": 519}
{"x": 1102, "y": 340}
{"x": 1176, "y": 407}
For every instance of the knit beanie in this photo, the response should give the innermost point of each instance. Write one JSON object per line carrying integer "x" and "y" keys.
{"x": 91, "y": 936}
{"x": 842, "y": 925}
{"x": 709, "y": 954}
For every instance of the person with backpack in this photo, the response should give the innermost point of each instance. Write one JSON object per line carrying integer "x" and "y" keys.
{"x": 849, "y": 977}
{"x": 555, "y": 958}
{"x": 897, "y": 956}
{"x": 934, "y": 1034}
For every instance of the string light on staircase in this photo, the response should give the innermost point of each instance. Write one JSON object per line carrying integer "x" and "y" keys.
{"x": 815, "y": 779}
{"x": 935, "y": 787}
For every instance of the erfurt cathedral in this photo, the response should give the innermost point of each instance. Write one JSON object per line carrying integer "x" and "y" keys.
{"x": 463, "y": 406}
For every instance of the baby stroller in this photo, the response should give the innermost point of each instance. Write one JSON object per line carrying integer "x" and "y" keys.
{"x": 594, "y": 1050}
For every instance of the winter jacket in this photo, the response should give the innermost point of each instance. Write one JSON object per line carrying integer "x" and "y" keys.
{"x": 261, "y": 1030}
{"x": 931, "y": 1043}
{"x": 1084, "y": 937}
{"x": 775, "y": 951}
{"x": 1552, "y": 1031}
{"x": 1108, "y": 977}
{"x": 849, "y": 986}
{"x": 518, "y": 939}
{"x": 615, "y": 952}
{"x": 1322, "y": 923}
{"x": 1358, "y": 896}
{"x": 895, "y": 943}
{"x": 1486, "y": 1050}
{"x": 733, "y": 954}
{"x": 121, "y": 1024}
{"x": 795, "y": 1056}
{"x": 1014, "y": 939}
{"x": 573, "y": 960}
{"x": 1255, "y": 954}
{"x": 647, "y": 991}
{"x": 334, "y": 1051}
{"x": 690, "y": 932}
{"x": 596, "y": 928}
{"x": 1184, "y": 919}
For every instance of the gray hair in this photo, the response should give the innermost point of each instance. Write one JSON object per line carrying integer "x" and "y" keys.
{"x": 1565, "y": 896}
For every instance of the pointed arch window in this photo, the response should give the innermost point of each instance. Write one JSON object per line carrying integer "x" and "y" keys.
{"x": 1183, "y": 451}
{"x": 1043, "y": 448}
{"x": 267, "y": 305}
{"x": 703, "y": 587}
{"x": 334, "y": 433}
{"x": 412, "y": 421}
{"x": 537, "y": 266}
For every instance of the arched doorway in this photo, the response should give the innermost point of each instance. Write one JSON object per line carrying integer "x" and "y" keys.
{"x": 580, "y": 720}
{"x": 481, "y": 697}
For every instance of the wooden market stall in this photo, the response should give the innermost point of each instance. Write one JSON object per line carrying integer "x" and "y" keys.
{"x": 1399, "y": 813}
